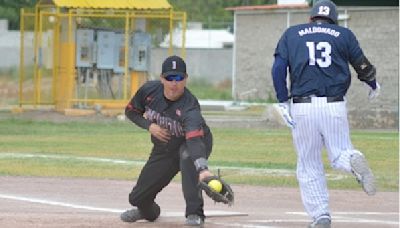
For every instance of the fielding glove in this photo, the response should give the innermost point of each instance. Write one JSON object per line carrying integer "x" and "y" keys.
{"x": 225, "y": 195}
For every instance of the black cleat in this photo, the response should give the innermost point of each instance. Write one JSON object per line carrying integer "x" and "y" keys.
{"x": 131, "y": 215}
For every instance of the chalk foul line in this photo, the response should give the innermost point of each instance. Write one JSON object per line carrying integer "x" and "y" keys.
{"x": 210, "y": 213}
{"x": 241, "y": 170}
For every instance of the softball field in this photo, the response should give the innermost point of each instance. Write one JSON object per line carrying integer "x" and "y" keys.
{"x": 68, "y": 202}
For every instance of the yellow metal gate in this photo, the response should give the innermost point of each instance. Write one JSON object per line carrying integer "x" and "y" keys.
{"x": 57, "y": 65}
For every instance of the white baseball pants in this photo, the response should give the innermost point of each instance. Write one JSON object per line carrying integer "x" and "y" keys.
{"x": 320, "y": 124}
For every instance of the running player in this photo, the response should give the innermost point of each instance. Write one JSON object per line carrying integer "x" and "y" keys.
{"x": 317, "y": 55}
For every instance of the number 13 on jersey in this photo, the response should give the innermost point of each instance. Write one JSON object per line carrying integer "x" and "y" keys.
{"x": 325, "y": 48}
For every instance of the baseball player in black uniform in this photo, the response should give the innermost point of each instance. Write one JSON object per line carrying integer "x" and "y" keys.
{"x": 181, "y": 142}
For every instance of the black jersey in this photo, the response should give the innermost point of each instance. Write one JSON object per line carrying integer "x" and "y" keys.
{"x": 182, "y": 118}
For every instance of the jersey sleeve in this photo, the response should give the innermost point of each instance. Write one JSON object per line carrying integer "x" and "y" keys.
{"x": 193, "y": 124}
{"x": 366, "y": 72}
{"x": 282, "y": 48}
{"x": 279, "y": 68}
{"x": 279, "y": 72}
{"x": 136, "y": 107}
{"x": 355, "y": 51}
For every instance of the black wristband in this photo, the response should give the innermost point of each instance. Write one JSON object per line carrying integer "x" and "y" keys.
{"x": 201, "y": 164}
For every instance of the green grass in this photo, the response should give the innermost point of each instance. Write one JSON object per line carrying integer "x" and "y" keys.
{"x": 251, "y": 148}
{"x": 222, "y": 90}
{"x": 9, "y": 73}
{"x": 204, "y": 89}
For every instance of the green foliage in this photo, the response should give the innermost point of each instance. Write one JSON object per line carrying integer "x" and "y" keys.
{"x": 10, "y": 9}
{"x": 213, "y": 13}
{"x": 17, "y": 3}
{"x": 9, "y": 73}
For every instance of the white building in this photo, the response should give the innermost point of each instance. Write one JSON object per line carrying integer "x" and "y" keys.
{"x": 283, "y": 2}
{"x": 199, "y": 38}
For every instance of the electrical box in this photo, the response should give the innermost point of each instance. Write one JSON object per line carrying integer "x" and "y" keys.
{"x": 119, "y": 53}
{"x": 105, "y": 50}
{"x": 140, "y": 51}
{"x": 84, "y": 46}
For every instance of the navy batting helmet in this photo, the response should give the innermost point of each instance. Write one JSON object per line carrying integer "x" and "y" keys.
{"x": 324, "y": 9}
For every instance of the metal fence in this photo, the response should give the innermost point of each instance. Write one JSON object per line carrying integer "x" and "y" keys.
{"x": 84, "y": 57}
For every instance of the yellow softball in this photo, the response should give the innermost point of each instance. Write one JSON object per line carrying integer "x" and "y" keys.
{"x": 215, "y": 185}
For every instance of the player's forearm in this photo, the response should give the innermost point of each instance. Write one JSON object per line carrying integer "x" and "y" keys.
{"x": 197, "y": 152}
{"x": 365, "y": 70}
{"x": 137, "y": 117}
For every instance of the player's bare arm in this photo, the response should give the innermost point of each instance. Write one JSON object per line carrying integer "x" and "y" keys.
{"x": 205, "y": 173}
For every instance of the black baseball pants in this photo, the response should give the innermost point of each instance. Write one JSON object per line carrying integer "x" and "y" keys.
{"x": 158, "y": 172}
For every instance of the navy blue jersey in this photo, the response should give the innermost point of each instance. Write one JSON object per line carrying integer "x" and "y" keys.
{"x": 318, "y": 55}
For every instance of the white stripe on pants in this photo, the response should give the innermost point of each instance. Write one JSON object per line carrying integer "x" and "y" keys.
{"x": 319, "y": 124}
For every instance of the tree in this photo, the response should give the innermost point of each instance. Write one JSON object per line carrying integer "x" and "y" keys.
{"x": 212, "y": 13}
{"x": 10, "y": 10}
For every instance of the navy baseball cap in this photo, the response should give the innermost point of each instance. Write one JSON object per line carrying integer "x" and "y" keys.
{"x": 324, "y": 9}
{"x": 173, "y": 65}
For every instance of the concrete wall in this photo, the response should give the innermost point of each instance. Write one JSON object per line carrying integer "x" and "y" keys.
{"x": 214, "y": 65}
{"x": 10, "y": 48}
{"x": 257, "y": 33}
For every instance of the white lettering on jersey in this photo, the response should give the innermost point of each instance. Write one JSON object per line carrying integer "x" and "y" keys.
{"x": 173, "y": 126}
{"x": 316, "y": 29}
{"x": 325, "y": 48}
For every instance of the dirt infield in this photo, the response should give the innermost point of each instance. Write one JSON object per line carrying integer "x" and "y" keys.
{"x": 67, "y": 202}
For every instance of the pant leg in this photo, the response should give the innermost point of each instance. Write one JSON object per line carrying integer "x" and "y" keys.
{"x": 336, "y": 134}
{"x": 157, "y": 173}
{"x": 310, "y": 170}
{"x": 190, "y": 178}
